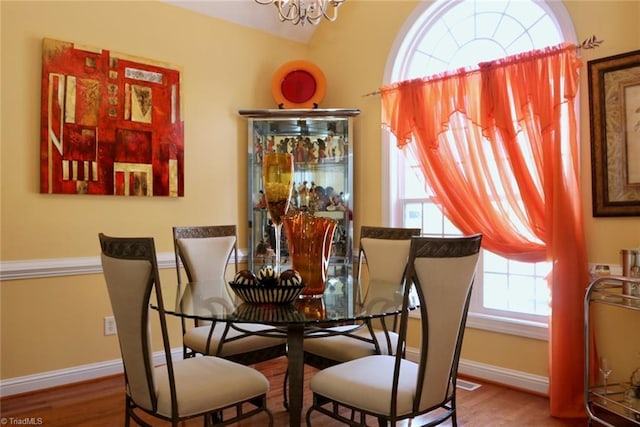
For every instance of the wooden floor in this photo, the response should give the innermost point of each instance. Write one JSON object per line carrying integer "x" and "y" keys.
{"x": 100, "y": 403}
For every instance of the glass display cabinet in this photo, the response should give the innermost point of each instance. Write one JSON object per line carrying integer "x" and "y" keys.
{"x": 320, "y": 141}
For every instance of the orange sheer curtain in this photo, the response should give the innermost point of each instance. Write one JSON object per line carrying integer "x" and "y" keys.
{"x": 498, "y": 146}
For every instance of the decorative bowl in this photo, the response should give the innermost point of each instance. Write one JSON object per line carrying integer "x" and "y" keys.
{"x": 260, "y": 294}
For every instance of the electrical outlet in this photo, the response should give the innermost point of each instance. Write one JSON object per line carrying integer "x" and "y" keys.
{"x": 109, "y": 326}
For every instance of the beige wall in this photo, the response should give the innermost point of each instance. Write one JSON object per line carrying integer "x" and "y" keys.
{"x": 226, "y": 68}
{"x": 617, "y": 26}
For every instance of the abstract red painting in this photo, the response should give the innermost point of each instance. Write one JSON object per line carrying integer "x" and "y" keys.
{"x": 111, "y": 123}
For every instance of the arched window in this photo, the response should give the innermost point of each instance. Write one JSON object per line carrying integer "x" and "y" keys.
{"x": 509, "y": 296}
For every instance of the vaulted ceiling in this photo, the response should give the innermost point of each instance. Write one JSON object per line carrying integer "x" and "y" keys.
{"x": 250, "y": 14}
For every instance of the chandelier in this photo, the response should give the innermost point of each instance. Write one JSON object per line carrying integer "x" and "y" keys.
{"x": 303, "y": 11}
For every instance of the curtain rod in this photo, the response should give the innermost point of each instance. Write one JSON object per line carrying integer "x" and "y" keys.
{"x": 589, "y": 43}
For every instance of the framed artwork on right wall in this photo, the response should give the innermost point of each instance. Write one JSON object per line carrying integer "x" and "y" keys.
{"x": 614, "y": 106}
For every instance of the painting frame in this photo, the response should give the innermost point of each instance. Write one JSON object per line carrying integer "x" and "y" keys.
{"x": 614, "y": 107}
{"x": 112, "y": 123}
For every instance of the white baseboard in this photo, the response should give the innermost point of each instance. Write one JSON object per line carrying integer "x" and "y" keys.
{"x": 44, "y": 380}
{"x": 517, "y": 379}
{"x": 29, "y": 383}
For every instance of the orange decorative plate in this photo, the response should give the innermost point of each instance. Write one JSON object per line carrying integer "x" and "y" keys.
{"x": 298, "y": 84}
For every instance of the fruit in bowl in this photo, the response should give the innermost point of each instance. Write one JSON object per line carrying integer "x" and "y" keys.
{"x": 245, "y": 277}
{"x": 267, "y": 276}
{"x": 290, "y": 278}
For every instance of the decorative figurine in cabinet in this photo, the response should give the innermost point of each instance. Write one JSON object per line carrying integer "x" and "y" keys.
{"x": 321, "y": 143}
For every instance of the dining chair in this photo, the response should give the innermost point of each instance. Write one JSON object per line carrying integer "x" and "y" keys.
{"x": 383, "y": 255}
{"x": 205, "y": 253}
{"x": 390, "y": 387}
{"x": 177, "y": 390}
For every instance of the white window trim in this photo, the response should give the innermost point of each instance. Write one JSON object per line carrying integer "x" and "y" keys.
{"x": 508, "y": 325}
{"x": 503, "y": 325}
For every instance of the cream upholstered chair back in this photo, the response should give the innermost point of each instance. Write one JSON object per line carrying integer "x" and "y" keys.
{"x": 130, "y": 270}
{"x": 443, "y": 271}
{"x": 205, "y": 251}
{"x": 385, "y": 250}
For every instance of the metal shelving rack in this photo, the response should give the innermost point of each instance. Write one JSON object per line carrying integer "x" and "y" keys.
{"x": 612, "y": 406}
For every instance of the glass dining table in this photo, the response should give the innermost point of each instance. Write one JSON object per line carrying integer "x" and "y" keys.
{"x": 344, "y": 302}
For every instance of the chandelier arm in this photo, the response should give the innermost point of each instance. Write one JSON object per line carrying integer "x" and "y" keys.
{"x": 292, "y": 13}
{"x": 301, "y": 11}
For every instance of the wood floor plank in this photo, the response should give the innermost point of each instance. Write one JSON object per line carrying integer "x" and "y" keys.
{"x": 100, "y": 403}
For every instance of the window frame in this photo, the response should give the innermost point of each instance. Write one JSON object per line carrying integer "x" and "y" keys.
{"x": 535, "y": 327}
